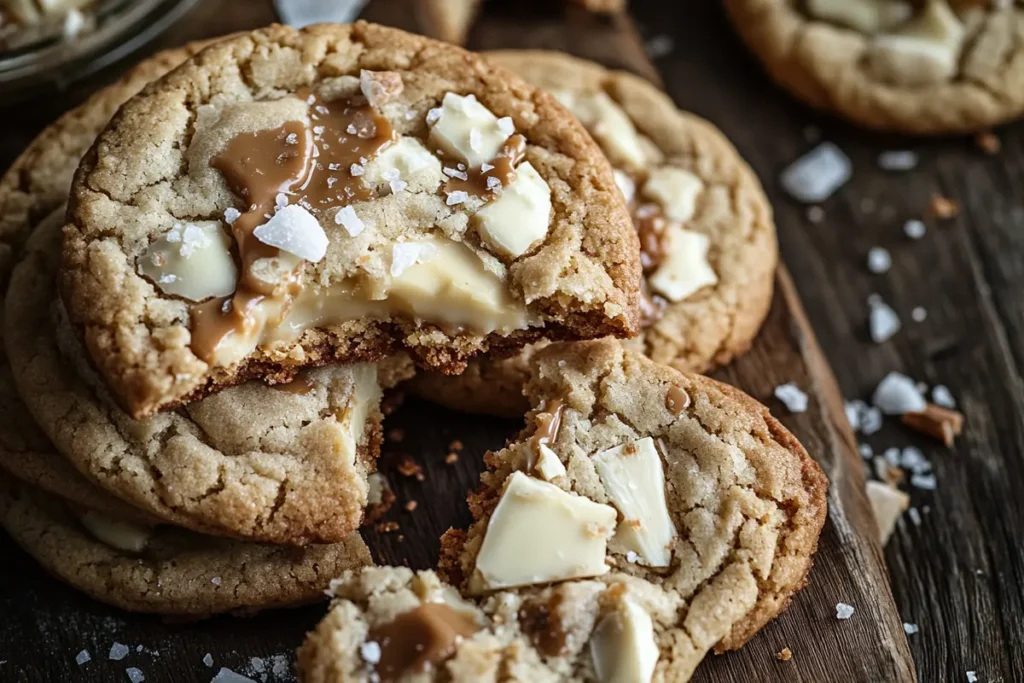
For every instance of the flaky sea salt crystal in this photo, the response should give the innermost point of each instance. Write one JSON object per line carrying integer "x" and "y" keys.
{"x": 457, "y": 197}
{"x": 897, "y": 394}
{"x": 853, "y": 410}
{"x": 215, "y": 581}
{"x": 455, "y": 173}
{"x": 484, "y": 167}
{"x": 870, "y": 421}
{"x": 918, "y": 314}
{"x": 82, "y": 657}
{"x": 280, "y": 665}
{"x": 506, "y": 126}
{"x": 972, "y": 677}
{"x": 192, "y": 238}
{"x": 434, "y": 115}
{"x": 406, "y": 254}
{"x": 632, "y": 557}
{"x": 231, "y": 214}
{"x": 370, "y": 652}
{"x": 897, "y": 160}
{"x": 208, "y": 659}
{"x": 912, "y": 458}
{"x": 815, "y": 176}
{"x": 879, "y": 260}
{"x": 348, "y": 219}
{"x": 356, "y": 170}
{"x": 280, "y": 201}
{"x": 118, "y": 651}
{"x": 942, "y": 396}
{"x": 915, "y": 516}
{"x": 792, "y": 396}
{"x": 843, "y": 611}
{"x": 883, "y": 322}
{"x": 494, "y": 185}
{"x": 226, "y": 675}
{"x": 295, "y": 230}
{"x": 926, "y": 482}
{"x": 892, "y": 456}
{"x": 865, "y": 451}
{"x": 910, "y": 629}
{"x": 914, "y": 229}
{"x": 258, "y": 665}
{"x": 135, "y": 675}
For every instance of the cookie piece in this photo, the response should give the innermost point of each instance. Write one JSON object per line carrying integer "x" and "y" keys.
{"x": 287, "y": 464}
{"x": 706, "y": 227}
{"x": 716, "y": 502}
{"x": 164, "y": 570}
{"x": 447, "y": 20}
{"x": 929, "y": 67}
{"x": 388, "y": 623}
{"x": 355, "y": 238}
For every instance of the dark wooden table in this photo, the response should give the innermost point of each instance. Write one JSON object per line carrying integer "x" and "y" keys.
{"x": 959, "y": 575}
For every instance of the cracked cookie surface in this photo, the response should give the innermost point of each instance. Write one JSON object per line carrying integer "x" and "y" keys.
{"x": 711, "y": 325}
{"x": 150, "y": 172}
{"x": 928, "y": 67}
{"x": 176, "y": 572}
{"x": 286, "y": 464}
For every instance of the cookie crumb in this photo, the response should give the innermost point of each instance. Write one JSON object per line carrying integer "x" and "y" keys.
{"x": 988, "y": 142}
{"x": 408, "y": 467}
{"x": 118, "y": 651}
{"x": 910, "y": 629}
{"x": 784, "y": 655}
{"x": 82, "y": 657}
{"x": 843, "y": 611}
{"x": 396, "y": 434}
{"x": 792, "y": 396}
{"x": 455, "y": 446}
{"x": 451, "y": 458}
{"x": 936, "y": 421}
{"x": 387, "y": 527}
{"x": 943, "y": 207}
{"x": 135, "y": 675}
{"x": 411, "y": 505}
{"x": 914, "y": 229}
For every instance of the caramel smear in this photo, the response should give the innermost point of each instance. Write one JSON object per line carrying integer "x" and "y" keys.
{"x": 938, "y": 422}
{"x": 548, "y": 423}
{"x": 420, "y": 640}
{"x": 541, "y": 621}
{"x": 677, "y": 400}
{"x": 301, "y": 385}
{"x": 487, "y": 181}
{"x": 315, "y": 166}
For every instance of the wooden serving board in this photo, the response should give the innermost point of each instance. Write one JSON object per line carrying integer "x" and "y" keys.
{"x": 44, "y": 624}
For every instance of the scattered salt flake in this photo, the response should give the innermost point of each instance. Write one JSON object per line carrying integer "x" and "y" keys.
{"x": 870, "y": 421}
{"x": 942, "y": 396}
{"x": 258, "y": 665}
{"x": 434, "y": 115}
{"x": 74, "y": 23}
{"x": 792, "y": 396}
{"x": 118, "y": 651}
{"x": 135, "y": 675}
{"x": 815, "y": 214}
{"x": 280, "y": 666}
{"x": 226, "y": 675}
{"x": 406, "y": 254}
{"x": 897, "y": 160}
{"x": 892, "y": 456}
{"x": 912, "y": 458}
{"x": 897, "y": 394}
{"x": 925, "y": 482}
{"x": 484, "y": 167}
{"x": 292, "y": 139}
{"x": 506, "y": 126}
{"x": 853, "y": 410}
{"x": 914, "y": 229}
{"x": 280, "y": 201}
{"x": 82, "y": 657}
{"x": 494, "y": 184}
{"x": 865, "y": 451}
{"x": 910, "y": 629}
{"x": 918, "y": 314}
{"x": 208, "y": 659}
{"x": 879, "y": 260}
{"x": 843, "y": 611}
{"x": 915, "y": 516}
{"x": 370, "y": 652}
{"x": 659, "y": 46}
{"x": 231, "y": 214}
{"x": 972, "y": 677}
{"x": 883, "y": 322}
{"x": 348, "y": 219}
{"x": 215, "y": 581}
{"x": 295, "y": 230}
{"x": 457, "y": 197}
{"x": 632, "y": 557}
{"x": 356, "y": 170}
{"x": 455, "y": 173}
{"x": 818, "y": 174}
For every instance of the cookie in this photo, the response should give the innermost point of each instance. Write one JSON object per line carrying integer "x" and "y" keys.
{"x": 287, "y": 464}
{"x": 707, "y": 233}
{"x": 388, "y": 623}
{"x": 711, "y": 493}
{"x": 361, "y": 243}
{"x": 447, "y": 20}
{"x": 165, "y": 570}
{"x": 929, "y": 67}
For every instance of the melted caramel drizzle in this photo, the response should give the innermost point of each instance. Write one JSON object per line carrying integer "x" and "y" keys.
{"x": 677, "y": 400}
{"x": 420, "y": 639}
{"x": 313, "y": 165}
{"x": 302, "y": 384}
{"x": 503, "y": 168}
{"x": 548, "y": 423}
{"x": 541, "y": 621}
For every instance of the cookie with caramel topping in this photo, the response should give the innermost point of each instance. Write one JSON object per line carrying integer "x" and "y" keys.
{"x": 165, "y": 570}
{"x": 289, "y": 199}
{"x": 923, "y": 67}
{"x": 707, "y": 236}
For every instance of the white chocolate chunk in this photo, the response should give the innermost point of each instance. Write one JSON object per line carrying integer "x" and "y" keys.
{"x": 295, "y": 230}
{"x": 675, "y": 190}
{"x": 634, "y": 480}
{"x": 538, "y": 533}
{"x": 192, "y": 261}
{"x": 366, "y": 395}
{"x": 116, "y": 533}
{"x": 623, "y": 647}
{"x": 407, "y": 160}
{"x": 866, "y": 16}
{"x": 685, "y": 269}
{"x": 924, "y": 50}
{"x": 519, "y": 217}
{"x": 626, "y": 184}
{"x": 549, "y": 466}
{"x": 468, "y": 130}
{"x": 612, "y": 129}
{"x": 888, "y": 504}
{"x": 407, "y": 254}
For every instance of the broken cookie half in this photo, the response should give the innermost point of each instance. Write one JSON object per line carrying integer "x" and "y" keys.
{"x": 646, "y": 517}
{"x": 289, "y": 199}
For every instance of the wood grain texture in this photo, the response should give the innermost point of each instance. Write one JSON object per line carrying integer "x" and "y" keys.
{"x": 968, "y": 274}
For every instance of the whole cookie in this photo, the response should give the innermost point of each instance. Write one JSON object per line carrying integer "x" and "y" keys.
{"x": 644, "y": 517}
{"x": 929, "y": 67}
{"x": 288, "y": 199}
{"x": 707, "y": 235}
{"x": 284, "y": 465}
{"x": 164, "y": 570}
